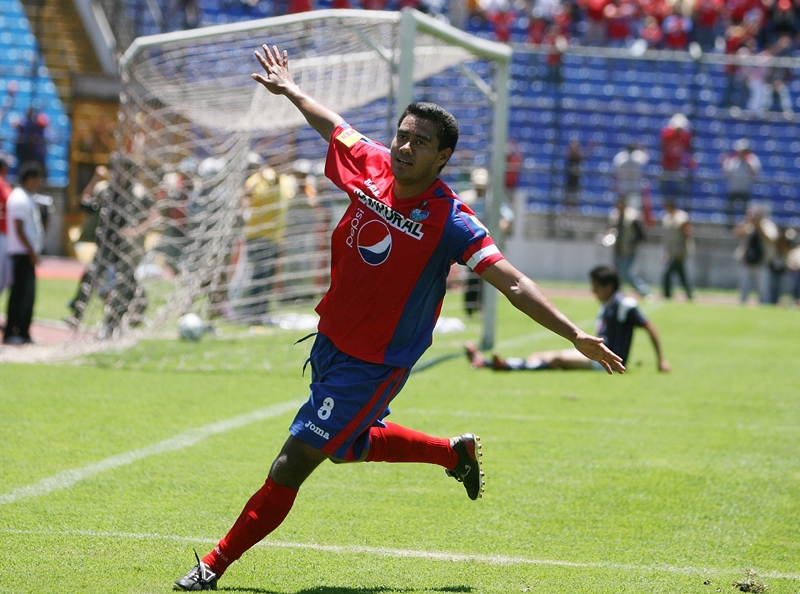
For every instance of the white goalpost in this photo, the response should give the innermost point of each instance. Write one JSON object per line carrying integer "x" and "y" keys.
{"x": 199, "y": 145}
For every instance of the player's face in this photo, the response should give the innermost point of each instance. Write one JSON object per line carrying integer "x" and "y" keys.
{"x": 602, "y": 292}
{"x": 416, "y": 158}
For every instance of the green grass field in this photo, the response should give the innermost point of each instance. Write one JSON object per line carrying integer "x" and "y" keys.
{"x": 642, "y": 483}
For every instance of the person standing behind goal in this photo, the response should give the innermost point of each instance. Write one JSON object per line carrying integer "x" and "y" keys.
{"x": 5, "y": 192}
{"x": 390, "y": 256}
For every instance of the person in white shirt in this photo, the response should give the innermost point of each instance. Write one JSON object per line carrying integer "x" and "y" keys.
{"x": 629, "y": 175}
{"x": 741, "y": 168}
{"x": 25, "y": 235}
{"x": 628, "y": 230}
{"x": 757, "y": 235}
{"x": 676, "y": 247}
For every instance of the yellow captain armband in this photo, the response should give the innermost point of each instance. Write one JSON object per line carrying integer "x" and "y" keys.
{"x": 349, "y": 137}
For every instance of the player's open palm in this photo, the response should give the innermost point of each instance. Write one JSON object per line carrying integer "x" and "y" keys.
{"x": 276, "y": 77}
{"x": 593, "y": 348}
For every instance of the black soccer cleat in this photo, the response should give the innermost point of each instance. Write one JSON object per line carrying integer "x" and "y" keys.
{"x": 468, "y": 470}
{"x": 200, "y": 577}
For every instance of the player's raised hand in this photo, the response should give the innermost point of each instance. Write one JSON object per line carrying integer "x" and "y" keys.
{"x": 593, "y": 348}
{"x": 278, "y": 81}
{"x": 276, "y": 77}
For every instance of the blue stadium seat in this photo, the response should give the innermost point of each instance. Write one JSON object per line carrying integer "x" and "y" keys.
{"x": 35, "y": 88}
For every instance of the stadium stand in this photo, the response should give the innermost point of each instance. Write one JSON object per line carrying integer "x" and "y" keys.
{"x": 26, "y": 83}
{"x": 604, "y": 101}
{"x": 607, "y": 102}
{"x": 610, "y": 102}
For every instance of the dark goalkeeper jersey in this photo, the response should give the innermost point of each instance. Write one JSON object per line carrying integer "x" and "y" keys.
{"x": 616, "y": 321}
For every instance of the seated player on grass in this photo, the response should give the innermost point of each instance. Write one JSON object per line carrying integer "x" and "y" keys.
{"x": 618, "y": 317}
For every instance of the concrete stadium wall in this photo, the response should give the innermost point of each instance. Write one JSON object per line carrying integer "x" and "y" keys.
{"x": 555, "y": 247}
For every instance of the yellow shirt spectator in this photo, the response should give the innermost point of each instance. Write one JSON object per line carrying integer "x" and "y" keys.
{"x": 269, "y": 196}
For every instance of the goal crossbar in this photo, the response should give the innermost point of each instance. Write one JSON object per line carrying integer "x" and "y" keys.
{"x": 179, "y": 226}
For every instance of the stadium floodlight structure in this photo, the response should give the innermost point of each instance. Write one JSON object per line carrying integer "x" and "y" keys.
{"x": 173, "y": 229}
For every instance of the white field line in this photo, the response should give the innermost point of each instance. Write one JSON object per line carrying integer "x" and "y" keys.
{"x": 415, "y": 554}
{"x": 67, "y": 478}
{"x": 601, "y": 421}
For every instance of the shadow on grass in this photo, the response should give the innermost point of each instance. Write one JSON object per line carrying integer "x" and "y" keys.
{"x": 337, "y": 590}
{"x": 433, "y": 361}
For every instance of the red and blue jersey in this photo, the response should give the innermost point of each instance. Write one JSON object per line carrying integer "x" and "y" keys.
{"x": 390, "y": 257}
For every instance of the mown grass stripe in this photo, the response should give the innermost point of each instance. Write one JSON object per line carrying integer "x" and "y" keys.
{"x": 67, "y": 478}
{"x": 414, "y": 554}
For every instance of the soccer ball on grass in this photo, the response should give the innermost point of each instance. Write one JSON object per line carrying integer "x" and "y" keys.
{"x": 191, "y": 327}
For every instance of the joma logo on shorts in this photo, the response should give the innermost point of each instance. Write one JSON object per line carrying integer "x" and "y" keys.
{"x": 318, "y": 430}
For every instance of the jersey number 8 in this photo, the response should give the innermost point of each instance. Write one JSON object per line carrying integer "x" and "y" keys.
{"x": 325, "y": 410}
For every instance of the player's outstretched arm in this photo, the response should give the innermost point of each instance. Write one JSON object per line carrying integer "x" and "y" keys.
{"x": 526, "y": 296}
{"x": 278, "y": 81}
{"x": 661, "y": 362}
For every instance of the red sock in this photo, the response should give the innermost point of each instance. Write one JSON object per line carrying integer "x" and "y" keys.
{"x": 265, "y": 511}
{"x": 396, "y": 443}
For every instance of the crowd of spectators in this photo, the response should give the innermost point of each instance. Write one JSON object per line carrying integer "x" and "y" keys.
{"x": 723, "y": 26}
{"x": 715, "y": 25}
{"x": 757, "y": 28}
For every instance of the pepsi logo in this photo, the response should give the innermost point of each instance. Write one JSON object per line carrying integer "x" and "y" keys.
{"x": 374, "y": 242}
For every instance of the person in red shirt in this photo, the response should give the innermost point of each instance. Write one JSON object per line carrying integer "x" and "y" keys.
{"x": 537, "y": 28}
{"x": 373, "y": 4}
{"x": 5, "y": 191}
{"x": 596, "y": 24}
{"x": 707, "y": 19}
{"x": 390, "y": 257}
{"x": 559, "y": 43}
{"x": 618, "y": 15}
{"x": 563, "y": 19}
{"x": 298, "y": 6}
{"x": 502, "y": 21}
{"x": 741, "y": 11}
{"x": 736, "y": 37}
{"x": 676, "y": 32}
{"x": 676, "y": 159}
{"x": 651, "y": 33}
{"x": 513, "y": 165}
{"x": 658, "y": 9}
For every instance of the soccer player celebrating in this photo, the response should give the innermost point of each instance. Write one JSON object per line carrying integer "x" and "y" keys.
{"x": 390, "y": 256}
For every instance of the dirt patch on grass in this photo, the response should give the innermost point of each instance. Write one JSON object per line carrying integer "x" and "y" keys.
{"x": 750, "y": 583}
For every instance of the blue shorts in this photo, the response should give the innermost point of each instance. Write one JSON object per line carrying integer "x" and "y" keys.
{"x": 348, "y": 396}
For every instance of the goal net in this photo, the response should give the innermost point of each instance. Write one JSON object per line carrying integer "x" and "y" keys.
{"x": 217, "y": 204}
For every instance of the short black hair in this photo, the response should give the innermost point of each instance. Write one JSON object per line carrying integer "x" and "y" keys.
{"x": 446, "y": 123}
{"x": 605, "y": 276}
{"x": 30, "y": 169}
